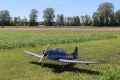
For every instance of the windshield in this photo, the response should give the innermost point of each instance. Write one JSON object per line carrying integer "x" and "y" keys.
{"x": 57, "y": 49}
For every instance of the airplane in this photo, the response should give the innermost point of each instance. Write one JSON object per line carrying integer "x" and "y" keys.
{"x": 61, "y": 55}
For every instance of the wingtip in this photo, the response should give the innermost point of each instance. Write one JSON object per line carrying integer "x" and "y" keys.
{"x": 98, "y": 62}
{"x": 25, "y": 51}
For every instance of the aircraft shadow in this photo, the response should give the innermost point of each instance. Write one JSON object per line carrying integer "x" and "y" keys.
{"x": 69, "y": 67}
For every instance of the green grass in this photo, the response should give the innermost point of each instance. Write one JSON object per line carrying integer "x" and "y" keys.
{"x": 10, "y": 40}
{"x": 95, "y": 46}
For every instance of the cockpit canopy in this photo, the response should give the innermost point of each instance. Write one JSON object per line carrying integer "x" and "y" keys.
{"x": 57, "y": 50}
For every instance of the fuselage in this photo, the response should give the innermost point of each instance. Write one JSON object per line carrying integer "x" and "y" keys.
{"x": 58, "y": 53}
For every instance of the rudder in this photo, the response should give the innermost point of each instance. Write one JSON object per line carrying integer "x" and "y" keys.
{"x": 75, "y": 52}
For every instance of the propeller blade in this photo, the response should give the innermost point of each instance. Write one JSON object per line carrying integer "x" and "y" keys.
{"x": 41, "y": 58}
{"x": 45, "y": 51}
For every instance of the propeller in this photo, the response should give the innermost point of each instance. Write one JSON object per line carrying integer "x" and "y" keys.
{"x": 44, "y": 53}
{"x": 45, "y": 50}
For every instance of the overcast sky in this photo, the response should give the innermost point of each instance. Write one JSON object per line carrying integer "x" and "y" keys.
{"x": 67, "y": 7}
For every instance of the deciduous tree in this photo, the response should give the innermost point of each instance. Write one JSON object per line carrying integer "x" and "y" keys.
{"x": 49, "y": 16}
{"x": 5, "y": 18}
{"x": 117, "y": 17}
{"x": 33, "y": 17}
{"x": 106, "y": 12}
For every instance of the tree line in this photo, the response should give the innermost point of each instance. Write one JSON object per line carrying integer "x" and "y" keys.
{"x": 104, "y": 16}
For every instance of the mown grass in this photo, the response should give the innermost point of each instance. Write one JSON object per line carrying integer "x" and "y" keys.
{"x": 96, "y": 46}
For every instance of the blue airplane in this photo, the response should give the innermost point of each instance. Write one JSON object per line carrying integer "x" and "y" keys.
{"x": 60, "y": 55}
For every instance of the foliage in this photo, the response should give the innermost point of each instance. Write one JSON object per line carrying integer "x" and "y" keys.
{"x": 106, "y": 12}
{"x": 33, "y": 17}
{"x": 72, "y": 21}
{"x": 86, "y": 20}
{"x": 59, "y": 20}
{"x": 95, "y": 19}
{"x": 117, "y": 17}
{"x": 5, "y": 18}
{"x": 104, "y": 16}
{"x": 49, "y": 16}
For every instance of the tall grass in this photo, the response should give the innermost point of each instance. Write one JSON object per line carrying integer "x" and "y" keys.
{"x": 10, "y": 40}
{"x": 111, "y": 74}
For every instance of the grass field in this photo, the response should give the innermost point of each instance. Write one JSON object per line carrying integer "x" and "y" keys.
{"x": 95, "y": 46}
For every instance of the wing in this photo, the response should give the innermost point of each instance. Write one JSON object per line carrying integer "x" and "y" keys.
{"x": 33, "y": 54}
{"x": 77, "y": 61}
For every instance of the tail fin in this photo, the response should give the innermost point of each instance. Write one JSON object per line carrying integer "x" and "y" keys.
{"x": 75, "y": 53}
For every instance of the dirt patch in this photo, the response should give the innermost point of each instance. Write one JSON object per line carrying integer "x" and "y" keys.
{"x": 105, "y": 29}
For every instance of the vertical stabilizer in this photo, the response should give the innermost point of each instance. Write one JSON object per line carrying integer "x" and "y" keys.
{"x": 75, "y": 53}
